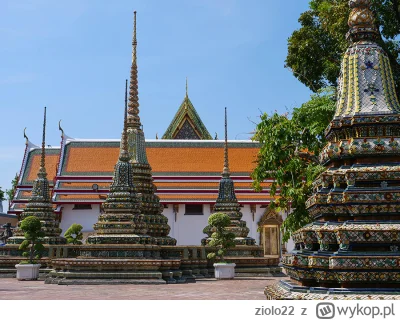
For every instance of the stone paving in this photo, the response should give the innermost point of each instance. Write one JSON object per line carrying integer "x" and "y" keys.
{"x": 207, "y": 289}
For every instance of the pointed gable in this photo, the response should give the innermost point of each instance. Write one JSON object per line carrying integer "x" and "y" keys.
{"x": 187, "y": 124}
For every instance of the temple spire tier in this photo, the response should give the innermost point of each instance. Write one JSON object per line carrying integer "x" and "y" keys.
{"x": 354, "y": 240}
{"x": 150, "y": 207}
{"x": 227, "y": 203}
{"x": 40, "y": 205}
{"x": 362, "y": 22}
{"x": 133, "y": 110}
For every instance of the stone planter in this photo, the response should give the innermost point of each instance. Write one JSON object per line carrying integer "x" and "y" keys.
{"x": 224, "y": 270}
{"x": 27, "y": 271}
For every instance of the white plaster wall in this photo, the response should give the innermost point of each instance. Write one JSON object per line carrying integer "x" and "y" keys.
{"x": 169, "y": 213}
{"x": 188, "y": 229}
{"x": 252, "y": 225}
{"x": 86, "y": 218}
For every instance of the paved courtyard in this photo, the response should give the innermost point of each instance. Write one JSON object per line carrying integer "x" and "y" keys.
{"x": 208, "y": 289}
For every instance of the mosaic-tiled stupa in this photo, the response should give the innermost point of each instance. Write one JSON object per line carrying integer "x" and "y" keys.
{"x": 227, "y": 203}
{"x": 156, "y": 223}
{"x": 40, "y": 205}
{"x": 351, "y": 250}
{"x": 121, "y": 222}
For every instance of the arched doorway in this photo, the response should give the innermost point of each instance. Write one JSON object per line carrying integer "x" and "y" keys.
{"x": 270, "y": 235}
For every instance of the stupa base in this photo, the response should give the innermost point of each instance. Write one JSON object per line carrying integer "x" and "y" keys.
{"x": 120, "y": 239}
{"x": 71, "y": 271}
{"x": 288, "y": 290}
{"x": 17, "y": 240}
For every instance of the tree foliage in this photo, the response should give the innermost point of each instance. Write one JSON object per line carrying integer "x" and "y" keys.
{"x": 315, "y": 50}
{"x": 288, "y": 155}
{"x": 33, "y": 233}
{"x": 222, "y": 239}
{"x": 74, "y": 234}
{"x": 2, "y": 195}
{"x": 10, "y": 192}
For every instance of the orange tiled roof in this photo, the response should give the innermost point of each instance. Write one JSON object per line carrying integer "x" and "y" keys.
{"x": 87, "y": 159}
{"x": 83, "y": 185}
{"x": 81, "y": 196}
{"x": 160, "y": 185}
{"x": 51, "y": 166}
{"x": 200, "y": 159}
{"x": 168, "y": 159}
{"x": 197, "y": 185}
{"x": 165, "y": 197}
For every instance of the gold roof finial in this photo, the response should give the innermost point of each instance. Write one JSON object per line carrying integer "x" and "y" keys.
{"x": 133, "y": 110}
{"x": 226, "y": 162}
{"x": 186, "y": 88}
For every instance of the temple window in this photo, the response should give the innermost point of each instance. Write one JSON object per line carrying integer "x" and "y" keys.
{"x": 194, "y": 209}
{"x": 82, "y": 207}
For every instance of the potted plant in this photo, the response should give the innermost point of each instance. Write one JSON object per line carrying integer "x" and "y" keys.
{"x": 221, "y": 240}
{"x": 74, "y": 234}
{"x": 32, "y": 247}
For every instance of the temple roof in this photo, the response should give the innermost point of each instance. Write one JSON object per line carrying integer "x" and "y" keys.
{"x": 187, "y": 124}
{"x": 29, "y": 172}
{"x": 183, "y": 171}
{"x": 166, "y": 157}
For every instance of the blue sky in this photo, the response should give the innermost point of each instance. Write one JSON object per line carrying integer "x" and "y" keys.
{"x": 74, "y": 56}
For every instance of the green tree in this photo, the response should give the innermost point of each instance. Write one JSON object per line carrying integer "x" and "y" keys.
{"x": 10, "y": 192}
{"x": 289, "y": 150}
{"x": 221, "y": 238}
{"x": 74, "y": 234}
{"x": 2, "y": 195}
{"x": 315, "y": 50}
{"x": 32, "y": 245}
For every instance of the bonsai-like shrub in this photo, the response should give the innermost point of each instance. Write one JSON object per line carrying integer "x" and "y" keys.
{"x": 74, "y": 234}
{"x": 33, "y": 233}
{"x": 221, "y": 238}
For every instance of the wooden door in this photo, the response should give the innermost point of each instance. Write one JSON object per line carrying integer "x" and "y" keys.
{"x": 270, "y": 239}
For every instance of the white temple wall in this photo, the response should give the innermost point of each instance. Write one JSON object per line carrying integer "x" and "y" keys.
{"x": 188, "y": 229}
{"x": 87, "y": 218}
{"x": 252, "y": 225}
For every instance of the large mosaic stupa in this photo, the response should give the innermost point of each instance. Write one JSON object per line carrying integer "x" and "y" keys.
{"x": 132, "y": 210}
{"x": 121, "y": 222}
{"x": 351, "y": 250}
{"x": 150, "y": 206}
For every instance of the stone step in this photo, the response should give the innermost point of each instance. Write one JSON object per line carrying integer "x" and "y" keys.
{"x": 104, "y": 281}
{"x": 114, "y": 275}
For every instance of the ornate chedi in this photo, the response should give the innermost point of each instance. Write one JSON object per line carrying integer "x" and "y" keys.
{"x": 40, "y": 205}
{"x": 156, "y": 223}
{"x": 228, "y": 204}
{"x": 354, "y": 241}
{"x": 121, "y": 222}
